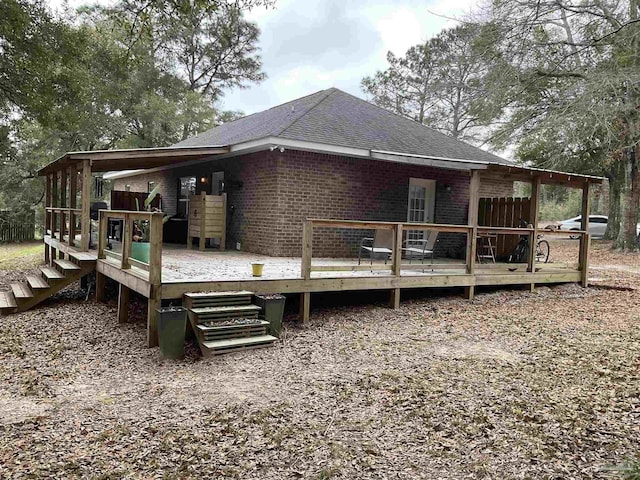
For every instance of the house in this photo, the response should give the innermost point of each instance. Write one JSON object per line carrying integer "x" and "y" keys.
{"x": 326, "y": 155}
{"x": 290, "y": 186}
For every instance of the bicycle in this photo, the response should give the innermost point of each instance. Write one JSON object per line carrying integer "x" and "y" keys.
{"x": 520, "y": 253}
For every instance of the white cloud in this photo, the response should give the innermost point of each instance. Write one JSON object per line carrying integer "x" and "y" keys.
{"x": 400, "y": 30}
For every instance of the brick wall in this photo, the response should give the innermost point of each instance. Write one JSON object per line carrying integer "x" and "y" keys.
{"x": 280, "y": 190}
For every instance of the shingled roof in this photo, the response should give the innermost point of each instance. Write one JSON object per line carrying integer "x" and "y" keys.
{"x": 335, "y": 117}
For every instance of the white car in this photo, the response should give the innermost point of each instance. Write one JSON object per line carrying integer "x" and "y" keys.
{"x": 597, "y": 224}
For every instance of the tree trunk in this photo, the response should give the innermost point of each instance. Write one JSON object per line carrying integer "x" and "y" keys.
{"x": 630, "y": 196}
{"x": 616, "y": 184}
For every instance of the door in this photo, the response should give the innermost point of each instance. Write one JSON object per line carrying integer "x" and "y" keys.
{"x": 217, "y": 183}
{"x": 421, "y": 205}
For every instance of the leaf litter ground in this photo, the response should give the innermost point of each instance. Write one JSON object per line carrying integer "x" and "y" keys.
{"x": 514, "y": 385}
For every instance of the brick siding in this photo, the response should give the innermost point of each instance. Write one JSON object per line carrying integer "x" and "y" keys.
{"x": 270, "y": 194}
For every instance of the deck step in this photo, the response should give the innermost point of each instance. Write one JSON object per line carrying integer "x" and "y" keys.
{"x": 220, "y": 347}
{"x": 51, "y": 273}
{"x": 36, "y": 283}
{"x": 65, "y": 265}
{"x": 225, "y": 312}
{"x": 213, "y": 299}
{"x": 83, "y": 256}
{"x": 7, "y": 302}
{"x": 21, "y": 291}
{"x": 223, "y": 332}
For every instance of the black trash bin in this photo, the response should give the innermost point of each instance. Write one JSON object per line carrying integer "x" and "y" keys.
{"x": 273, "y": 309}
{"x": 172, "y": 325}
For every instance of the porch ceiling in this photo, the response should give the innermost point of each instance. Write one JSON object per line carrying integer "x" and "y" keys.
{"x": 140, "y": 158}
{"x": 526, "y": 174}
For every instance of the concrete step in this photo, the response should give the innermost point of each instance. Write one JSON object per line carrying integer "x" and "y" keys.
{"x": 36, "y": 283}
{"x": 220, "y": 347}
{"x": 21, "y": 291}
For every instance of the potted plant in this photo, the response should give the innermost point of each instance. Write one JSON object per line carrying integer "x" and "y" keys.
{"x": 273, "y": 309}
{"x": 140, "y": 246}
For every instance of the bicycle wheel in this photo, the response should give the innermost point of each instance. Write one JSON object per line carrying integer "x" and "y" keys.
{"x": 542, "y": 251}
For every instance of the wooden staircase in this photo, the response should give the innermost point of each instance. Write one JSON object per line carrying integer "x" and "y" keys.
{"x": 226, "y": 322}
{"x": 52, "y": 279}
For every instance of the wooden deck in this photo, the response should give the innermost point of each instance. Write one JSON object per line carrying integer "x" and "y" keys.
{"x": 173, "y": 271}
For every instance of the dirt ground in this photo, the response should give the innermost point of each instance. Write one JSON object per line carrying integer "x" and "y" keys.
{"x": 513, "y": 385}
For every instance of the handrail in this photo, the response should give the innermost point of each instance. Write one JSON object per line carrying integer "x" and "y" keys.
{"x": 155, "y": 242}
{"x": 395, "y": 265}
{"x": 396, "y": 262}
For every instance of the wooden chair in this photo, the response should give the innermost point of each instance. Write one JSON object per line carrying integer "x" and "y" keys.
{"x": 486, "y": 247}
{"x": 381, "y": 244}
{"x": 421, "y": 248}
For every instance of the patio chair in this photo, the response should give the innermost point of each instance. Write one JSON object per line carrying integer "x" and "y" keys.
{"x": 421, "y": 248}
{"x": 380, "y": 245}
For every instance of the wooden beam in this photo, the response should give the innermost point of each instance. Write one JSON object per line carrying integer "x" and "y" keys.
{"x": 305, "y": 306}
{"x": 63, "y": 203}
{"x": 469, "y": 292}
{"x": 155, "y": 250}
{"x": 472, "y": 220}
{"x": 127, "y": 238}
{"x": 100, "y": 287}
{"x": 47, "y": 216}
{"x": 73, "y": 203}
{"x": 585, "y": 240}
{"x": 86, "y": 206}
{"x": 153, "y": 304}
{"x": 54, "y": 202}
{"x": 127, "y": 277}
{"x": 394, "y": 301}
{"x": 307, "y": 244}
{"x": 124, "y": 295}
{"x": 397, "y": 252}
{"x": 203, "y": 220}
{"x": 534, "y": 209}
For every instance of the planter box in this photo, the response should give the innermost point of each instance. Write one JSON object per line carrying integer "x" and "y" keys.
{"x": 273, "y": 310}
{"x": 172, "y": 325}
{"x": 140, "y": 251}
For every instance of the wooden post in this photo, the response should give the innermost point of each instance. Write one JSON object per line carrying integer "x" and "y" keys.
{"x": 63, "y": 203}
{"x": 127, "y": 238}
{"x": 100, "y": 287}
{"x": 307, "y": 244}
{"x": 152, "y": 320}
{"x": 73, "y": 203}
{"x": 85, "y": 229}
{"x": 155, "y": 249}
{"x": 534, "y": 208}
{"x": 103, "y": 222}
{"x": 585, "y": 240}
{"x": 47, "y": 216}
{"x": 124, "y": 295}
{"x": 305, "y": 306}
{"x": 223, "y": 240}
{"x": 203, "y": 219}
{"x": 54, "y": 203}
{"x": 472, "y": 222}
{"x": 397, "y": 266}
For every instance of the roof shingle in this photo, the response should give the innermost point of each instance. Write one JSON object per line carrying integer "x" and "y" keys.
{"x": 337, "y": 118}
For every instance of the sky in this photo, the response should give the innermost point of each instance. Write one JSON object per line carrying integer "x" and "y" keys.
{"x": 311, "y": 45}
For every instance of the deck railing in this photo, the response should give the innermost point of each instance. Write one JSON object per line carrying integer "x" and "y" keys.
{"x": 61, "y": 222}
{"x": 154, "y": 266}
{"x": 396, "y": 265}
